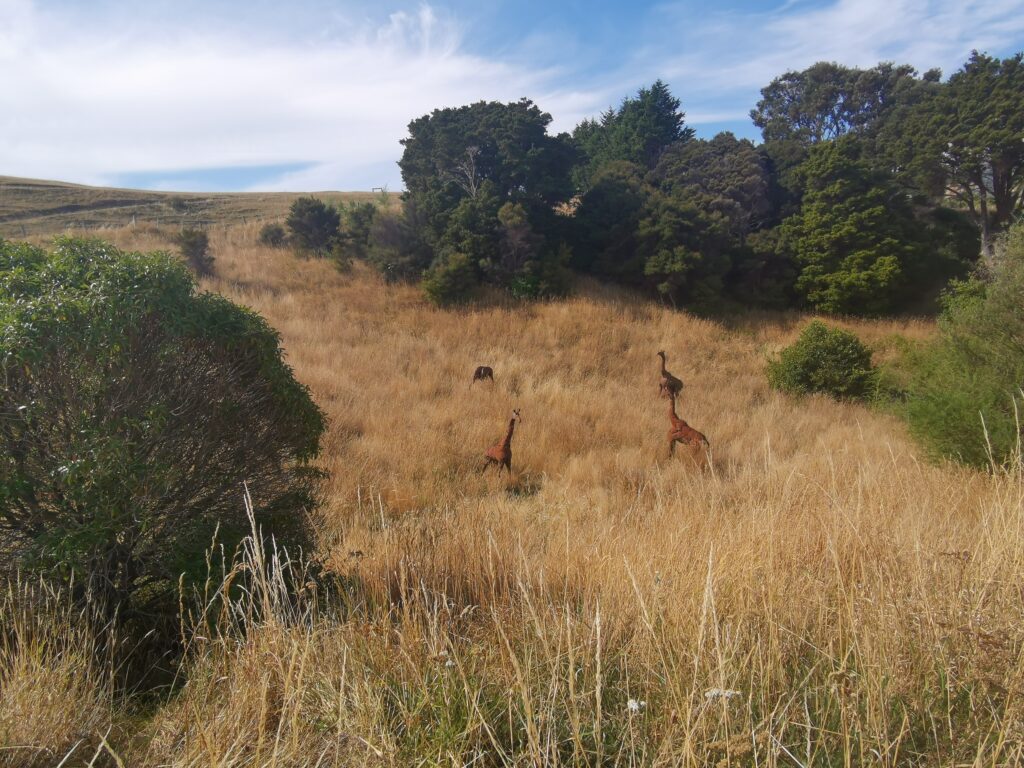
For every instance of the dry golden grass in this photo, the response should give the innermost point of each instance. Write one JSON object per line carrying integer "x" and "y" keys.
{"x": 31, "y": 207}
{"x": 56, "y": 699}
{"x": 600, "y": 609}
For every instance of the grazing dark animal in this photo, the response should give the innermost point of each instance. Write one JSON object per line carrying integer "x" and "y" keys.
{"x": 670, "y": 386}
{"x": 500, "y": 454}
{"x": 683, "y": 433}
{"x": 482, "y": 372}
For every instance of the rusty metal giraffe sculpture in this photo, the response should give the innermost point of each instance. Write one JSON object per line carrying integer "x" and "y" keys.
{"x": 683, "y": 433}
{"x": 500, "y": 454}
{"x": 670, "y": 386}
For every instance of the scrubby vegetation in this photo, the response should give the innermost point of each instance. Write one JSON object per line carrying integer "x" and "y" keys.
{"x": 273, "y": 235}
{"x": 826, "y": 360}
{"x": 194, "y": 245}
{"x": 966, "y": 393}
{"x": 134, "y": 408}
{"x": 312, "y": 226}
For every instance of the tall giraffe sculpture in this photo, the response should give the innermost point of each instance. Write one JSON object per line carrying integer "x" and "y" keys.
{"x": 683, "y": 433}
{"x": 500, "y": 454}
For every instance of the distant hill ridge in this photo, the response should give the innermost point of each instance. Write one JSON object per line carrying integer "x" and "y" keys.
{"x": 36, "y": 207}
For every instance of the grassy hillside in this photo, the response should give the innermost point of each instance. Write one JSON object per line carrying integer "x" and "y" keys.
{"x": 817, "y": 591}
{"x": 32, "y": 207}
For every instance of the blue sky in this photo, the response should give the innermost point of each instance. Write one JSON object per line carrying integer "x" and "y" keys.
{"x": 315, "y": 94}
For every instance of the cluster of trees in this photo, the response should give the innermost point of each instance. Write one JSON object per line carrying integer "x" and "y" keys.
{"x": 483, "y": 183}
{"x": 871, "y": 190}
{"x": 314, "y": 228}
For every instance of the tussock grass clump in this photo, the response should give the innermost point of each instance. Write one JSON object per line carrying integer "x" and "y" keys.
{"x": 57, "y": 692}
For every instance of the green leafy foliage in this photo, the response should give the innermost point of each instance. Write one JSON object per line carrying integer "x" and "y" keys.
{"x": 725, "y": 177}
{"x": 313, "y": 225}
{"x": 963, "y": 138}
{"x": 194, "y": 245}
{"x": 451, "y": 153}
{"x": 827, "y": 100}
{"x": 678, "y": 229}
{"x": 763, "y": 271}
{"x": 607, "y": 219}
{"x": 684, "y": 250}
{"x": 855, "y": 238}
{"x": 460, "y": 166}
{"x": 356, "y": 222}
{"x": 826, "y": 360}
{"x": 451, "y": 281}
{"x": 133, "y": 410}
{"x": 273, "y": 235}
{"x": 395, "y": 245}
{"x": 638, "y": 132}
{"x": 965, "y": 394}
{"x": 867, "y": 196}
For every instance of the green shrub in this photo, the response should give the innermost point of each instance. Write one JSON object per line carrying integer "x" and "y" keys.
{"x": 133, "y": 409}
{"x": 451, "y": 282}
{"x": 356, "y": 221}
{"x": 855, "y": 237}
{"x": 273, "y": 236}
{"x": 965, "y": 392}
{"x": 827, "y": 360}
{"x": 194, "y": 245}
{"x": 313, "y": 225}
{"x": 395, "y": 247}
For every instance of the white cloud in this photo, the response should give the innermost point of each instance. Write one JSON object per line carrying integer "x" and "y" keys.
{"x": 87, "y": 95}
{"x": 728, "y": 53}
{"x": 87, "y": 106}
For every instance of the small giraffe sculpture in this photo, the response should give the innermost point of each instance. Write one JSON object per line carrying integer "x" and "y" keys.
{"x": 500, "y": 455}
{"x": 670, "y": 386}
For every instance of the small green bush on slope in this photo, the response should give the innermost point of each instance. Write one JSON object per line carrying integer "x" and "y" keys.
{"x": 827, "y": 360}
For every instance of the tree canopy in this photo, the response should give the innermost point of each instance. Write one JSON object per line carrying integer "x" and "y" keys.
{"x": 864, "y": 197}
{"x": 638, "y": 132}
{"x": 965, "y": 140}
{"x": 461, "y": 166}
{"x": 827, "y": 100}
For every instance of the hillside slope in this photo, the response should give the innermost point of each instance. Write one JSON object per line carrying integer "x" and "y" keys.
{"x": 33, "y": 207}
{"x": 818, "y": 591}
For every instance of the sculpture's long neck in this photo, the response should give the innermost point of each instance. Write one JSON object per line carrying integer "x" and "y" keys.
{"x": 508, "y": 435}
{"x": 663, "y": 371}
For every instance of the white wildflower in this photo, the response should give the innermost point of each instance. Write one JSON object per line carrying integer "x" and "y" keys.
{"x": 635, "y": 706}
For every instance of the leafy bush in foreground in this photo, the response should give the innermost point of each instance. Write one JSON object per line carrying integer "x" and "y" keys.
{"x": 132, "y": 410}
{"x": 827, "y": 360}
{"x": 966, "y": 392}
